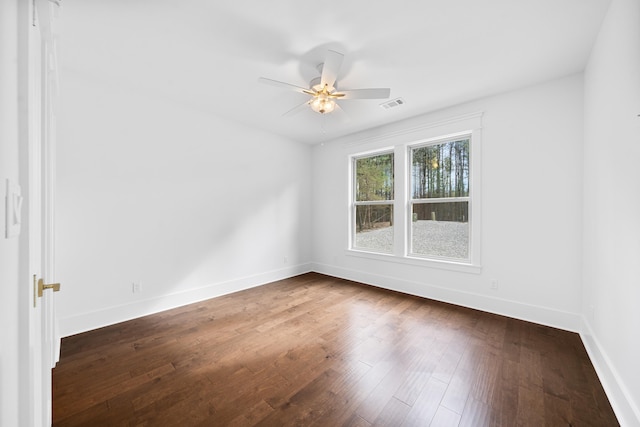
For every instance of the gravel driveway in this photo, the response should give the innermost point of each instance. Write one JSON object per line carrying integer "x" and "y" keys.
{"x": 437, "y": 238}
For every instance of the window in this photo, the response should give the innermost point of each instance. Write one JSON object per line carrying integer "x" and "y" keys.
{"x": 417, "y": 201}
{"x": 439, "y": 202}
{"x": 373, "y": 191}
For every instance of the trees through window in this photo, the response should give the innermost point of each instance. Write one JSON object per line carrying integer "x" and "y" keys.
{"x": 440, "y": 199}
{"x": 373, "y": 205}
{"x": 434, "y": 210}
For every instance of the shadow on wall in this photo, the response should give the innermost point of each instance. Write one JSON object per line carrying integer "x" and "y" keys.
{"x": 169, "y": 197}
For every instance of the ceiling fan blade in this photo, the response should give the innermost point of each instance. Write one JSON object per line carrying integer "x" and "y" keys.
{"x": 341, "y": 115}
{"x": 297, "y": 109}
{"x": 330, "y": 68}
{"x": 285, "y": 85}
{"x": 373, "y": 93}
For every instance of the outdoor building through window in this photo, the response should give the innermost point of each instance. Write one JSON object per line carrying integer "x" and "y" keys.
{"x": 439, "y": 202}
{"x": 373, "y": 202}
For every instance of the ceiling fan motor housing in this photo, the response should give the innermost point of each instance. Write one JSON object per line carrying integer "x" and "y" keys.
{"x": 316, "y": 84}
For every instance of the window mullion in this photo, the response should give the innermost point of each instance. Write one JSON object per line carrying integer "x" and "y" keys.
{"x": 441, "y": 200}
{"x": 400, "y": 240}
{"x": 373, "y": 202}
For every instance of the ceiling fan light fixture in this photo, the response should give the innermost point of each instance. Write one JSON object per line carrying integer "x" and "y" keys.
{"x": 324, "y": 89}
{"x": 322, "y": 104}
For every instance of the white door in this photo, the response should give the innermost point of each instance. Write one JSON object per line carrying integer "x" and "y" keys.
{"x": 41, "y": 89}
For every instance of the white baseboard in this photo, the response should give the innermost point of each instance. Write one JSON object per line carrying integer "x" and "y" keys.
{"x": 541, "y": 315}
{"x": 112, "y": 315}
{"x": 626, "y": 410}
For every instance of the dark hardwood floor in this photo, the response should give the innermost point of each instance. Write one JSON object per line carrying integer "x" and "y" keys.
{"x": 315, "y": 350}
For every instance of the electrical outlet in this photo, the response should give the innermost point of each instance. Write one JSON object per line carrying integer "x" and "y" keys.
{"x": 285, "y": 259}
{"x": 136, "y": 287}
{"x": 494, "y": 284}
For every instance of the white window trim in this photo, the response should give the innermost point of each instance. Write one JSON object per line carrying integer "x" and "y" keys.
{"x": 411, "y": 201}
{"x": 401, "y": 144}
{"x": 353, "y": 203}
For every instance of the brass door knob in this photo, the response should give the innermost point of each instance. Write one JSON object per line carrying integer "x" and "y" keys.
{"x": 42, "y": 286}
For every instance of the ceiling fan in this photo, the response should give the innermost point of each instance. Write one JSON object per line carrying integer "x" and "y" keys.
{"x": 323, "y": 90}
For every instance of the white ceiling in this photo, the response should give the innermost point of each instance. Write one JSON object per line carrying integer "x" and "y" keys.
{"x": 433, "y": 54}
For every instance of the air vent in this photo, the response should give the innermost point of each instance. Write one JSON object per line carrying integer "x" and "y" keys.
{"x": 393, "y": 103}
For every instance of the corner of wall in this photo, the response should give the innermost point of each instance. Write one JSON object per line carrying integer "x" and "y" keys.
{"x": 625, "y": 409}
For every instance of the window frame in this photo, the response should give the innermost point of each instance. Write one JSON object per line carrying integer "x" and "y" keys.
{"x": 355, "y": 203}
{"x": 411, "y": 201}
{"x": 401, "y": 142}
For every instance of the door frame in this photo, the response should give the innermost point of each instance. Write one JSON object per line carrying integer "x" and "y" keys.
{"x": 37, "y": 89}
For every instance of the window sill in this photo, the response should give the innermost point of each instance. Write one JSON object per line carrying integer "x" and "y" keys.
{"x": 420, "y": 262}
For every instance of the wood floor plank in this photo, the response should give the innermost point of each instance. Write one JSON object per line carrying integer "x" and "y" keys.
{"x": 505, "y": 400}
{"x": 427, "y": 404}
{"x": 307, "y": 405}
{"x": 356, "y": 421}
{"x": 486, "y": 374}
{"x": 448, "y": 364}
{"x": 530, "y": 409}
{"x": 319, "y": 351}
{"x": 251, "y": 417}
{"x": 374, "y": 403}
{"x": 418, "y": 373}
{"x": 476, "y": 414}
{"x": 393, "y": 413}
{"x": 557, "y": 411}
{"x": 445, "y": 418}
{"x": 350, "y": 394}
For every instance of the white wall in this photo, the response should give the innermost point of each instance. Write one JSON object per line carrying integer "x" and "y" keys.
{"x": 188, "y": 204}
{"x": 612, "y": 207}
{"x": 9, "y": 248}
{"x": 531, "y": 208}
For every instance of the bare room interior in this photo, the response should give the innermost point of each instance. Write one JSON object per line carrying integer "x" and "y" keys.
{"x": 343, "y": 213}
